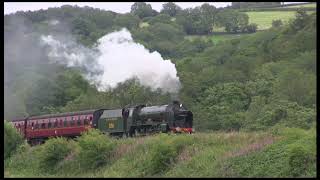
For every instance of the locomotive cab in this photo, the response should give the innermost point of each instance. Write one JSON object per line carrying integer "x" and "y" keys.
{"x": 182, "y": 120}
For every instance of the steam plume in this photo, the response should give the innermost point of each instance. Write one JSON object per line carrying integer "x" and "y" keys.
{"x": 116, "y": 58}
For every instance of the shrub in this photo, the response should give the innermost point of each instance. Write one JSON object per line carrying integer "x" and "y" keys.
{"x": 277, "y": 23}
{"x": 12, "y": 139}
{"x": 251, "y": 28}
{"x": 162, "y": 155}
{"x": 53, "y": 152}
{"x": 24, "y": 162}
{"x": 299, "y": 159}
{"x": 95, "y": 149}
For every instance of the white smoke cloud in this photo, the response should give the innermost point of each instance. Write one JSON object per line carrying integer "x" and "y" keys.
{"x": 72, "y": 54}
{"x": 117, "y": 58}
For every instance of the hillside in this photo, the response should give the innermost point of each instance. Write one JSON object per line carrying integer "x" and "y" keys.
{"x": 252, "y": 94}
{"x": 278, "y": 153}
{"x": 253, "y": 81}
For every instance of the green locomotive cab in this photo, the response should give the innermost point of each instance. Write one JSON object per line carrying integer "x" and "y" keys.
{"x": 115, "y": 121}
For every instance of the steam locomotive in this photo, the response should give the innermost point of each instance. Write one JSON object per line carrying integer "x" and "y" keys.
{"x": 125, "y": 122}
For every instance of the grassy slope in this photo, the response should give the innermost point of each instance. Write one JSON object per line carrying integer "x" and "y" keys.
{"x": 235, "y": 154}
{"x": 264, "y": 18}
{"x": 216, "y": 38}
{"x": 304, "y": 5}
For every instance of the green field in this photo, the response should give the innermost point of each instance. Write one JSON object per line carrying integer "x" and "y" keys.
{"x": 217, "y": 37}
{"x": 304, "y": 5}
{"x": 264, "y": 19}
{"x": 143, "y": 24}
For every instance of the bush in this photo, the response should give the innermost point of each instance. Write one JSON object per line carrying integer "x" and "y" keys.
{"x": 251, "y": 28}
{"x": 95, "y": 149}
{"x": 53, "y": 152}
{"x": 12, "y": 139}
{"x": 165, "y": 150}
{"x": 162, "y": 155}
{"x": 277, "y": 23}
{"x": 24, "y": 162}
{"x": 299, "y": 159}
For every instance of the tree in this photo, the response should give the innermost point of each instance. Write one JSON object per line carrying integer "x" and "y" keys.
{"x": 297, "y": 86}
{"x": 55, "y": 92}
{"x": 170, "y": 9}
{"x": 233, "y": 21}
{"x": 142, "y": 10}
{"x": 208, "y": 14}
{"x": 277, "y": 23}
{"x": 301, "y": 19}
{"x": 161, "y": 18}
{"x": 222, "y": 106}
{"x": 12, "y": 139}
{"x": 194, "y": 22}
{"x": 251, "y": 28}
{"x": 127, "y": 20}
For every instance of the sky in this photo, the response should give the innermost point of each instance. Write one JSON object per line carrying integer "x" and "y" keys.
{"x": 119, "y": 7}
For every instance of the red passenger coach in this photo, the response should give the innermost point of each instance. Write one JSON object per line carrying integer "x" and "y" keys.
{"x": 38, "y": 128}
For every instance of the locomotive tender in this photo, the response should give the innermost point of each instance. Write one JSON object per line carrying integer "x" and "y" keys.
{"x": 128, "y": 121}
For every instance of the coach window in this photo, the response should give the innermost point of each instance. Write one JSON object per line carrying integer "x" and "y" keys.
{"x": 55, "y": 124}
{"x": 79, "y": 122}
{"x": 49, "y": 124}
{"x": 72, "y": 121}
{"x": 65, "y": 123}
{"x": 86, "y": 121}
{"x": 36, "y": 126}
{"x": 43, "y": 125}
{"x": 32, "y": 125}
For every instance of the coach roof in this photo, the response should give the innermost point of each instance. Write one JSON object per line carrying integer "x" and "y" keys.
{"x": 58, "y": 115}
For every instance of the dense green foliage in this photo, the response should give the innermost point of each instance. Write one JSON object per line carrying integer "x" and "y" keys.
{"x": 53, "y": 152}
{"x": 12, "y": 139}
{"x": 95, "y": 149}
{"x": 256, "y": 81}
{"x": 280, "y": 152}
{"x": 252, "y": 82}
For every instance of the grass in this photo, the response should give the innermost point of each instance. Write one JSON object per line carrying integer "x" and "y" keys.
{"x": 264, "y": 19}
{"x": 303, "y": 5}
{"x": 216, "y": 38}
{"x": 143, "y": 24}
{"x": 276, "y": 153}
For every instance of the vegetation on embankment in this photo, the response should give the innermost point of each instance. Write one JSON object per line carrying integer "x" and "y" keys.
{"x": 279, "y": 152}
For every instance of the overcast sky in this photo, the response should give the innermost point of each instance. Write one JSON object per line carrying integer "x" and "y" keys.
{"x": 119, "y": 7}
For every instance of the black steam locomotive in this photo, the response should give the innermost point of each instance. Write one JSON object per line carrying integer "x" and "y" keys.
{"x": 141, "y": 119}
